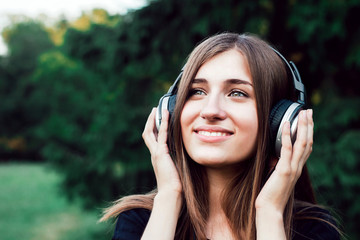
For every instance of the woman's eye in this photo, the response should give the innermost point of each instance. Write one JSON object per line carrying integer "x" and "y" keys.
{"x": 197, "y": 92}
{"x": 237, "y": 93}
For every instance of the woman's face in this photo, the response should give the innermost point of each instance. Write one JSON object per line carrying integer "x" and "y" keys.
{"x": 219, "y": 120}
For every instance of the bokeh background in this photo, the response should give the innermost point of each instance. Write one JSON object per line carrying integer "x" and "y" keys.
{"x": 75, "y": 94}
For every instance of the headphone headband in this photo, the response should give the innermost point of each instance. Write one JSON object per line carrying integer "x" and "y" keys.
{"x": 173, "y": 89}
{"x": 298, "y": 85}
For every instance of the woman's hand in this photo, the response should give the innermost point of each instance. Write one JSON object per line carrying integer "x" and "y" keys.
{"x": 272, "y": 199}
{"x": 167, "y": 177}
{"x": 168, "y": 201}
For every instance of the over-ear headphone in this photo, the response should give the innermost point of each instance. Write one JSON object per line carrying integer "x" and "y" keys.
{"x": 284, "y": 110}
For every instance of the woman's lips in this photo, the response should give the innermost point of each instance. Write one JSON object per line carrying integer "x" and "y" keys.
{"x": 213, "y": 134}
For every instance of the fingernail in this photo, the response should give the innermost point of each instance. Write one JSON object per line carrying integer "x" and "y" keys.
{"x": 309, "y": 113}
{"x": 302, "y": 113}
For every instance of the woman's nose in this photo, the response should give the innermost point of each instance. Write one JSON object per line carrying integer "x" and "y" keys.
{"x": 213, "y": 109}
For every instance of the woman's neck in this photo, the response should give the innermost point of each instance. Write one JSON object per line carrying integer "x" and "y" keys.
{"x": 219, "y": 180}
{"x": 217, "y": 224}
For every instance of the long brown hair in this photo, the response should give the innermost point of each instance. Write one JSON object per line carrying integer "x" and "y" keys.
{"x": 271, "y": 83}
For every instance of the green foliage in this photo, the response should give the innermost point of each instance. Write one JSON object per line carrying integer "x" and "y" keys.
{"x": 90, "y": 119}
{"x": 26, "y": 41}
{"x": 335, "y": 161}
{"x": 82, "y": 105}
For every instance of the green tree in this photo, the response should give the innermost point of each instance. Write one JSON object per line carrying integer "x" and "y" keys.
{"x": 25, "y": 42}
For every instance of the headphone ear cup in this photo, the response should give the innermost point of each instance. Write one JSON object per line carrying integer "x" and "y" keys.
{"x": 276, "y": 116}
{"x": 166, "y": 102}
{"x": 276, "y": 120}
{"x": 171, "y": 104}
{"x": 163, "y": 102}
{"x": 285, "y": 110}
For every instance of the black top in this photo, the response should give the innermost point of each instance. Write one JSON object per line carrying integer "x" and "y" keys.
{"x": 131, "y": 225}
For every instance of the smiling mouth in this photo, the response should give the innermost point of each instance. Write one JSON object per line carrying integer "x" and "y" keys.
{"x": 213, "y": 134}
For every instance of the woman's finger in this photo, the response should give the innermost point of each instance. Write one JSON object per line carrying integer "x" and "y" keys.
{"x": 148, "y": 133}
{"x": 162, "y": 136}
{"x": 301, "y": 140}
{"x": 310, "y": 135}
{"x": 286, "y": 148}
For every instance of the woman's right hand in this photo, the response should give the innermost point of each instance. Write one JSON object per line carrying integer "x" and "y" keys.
{"x": 168, "y": 200}
{"x": 167, "y": 177}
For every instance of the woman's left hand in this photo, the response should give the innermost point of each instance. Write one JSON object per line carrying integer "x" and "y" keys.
{"x": 278, "y": 188}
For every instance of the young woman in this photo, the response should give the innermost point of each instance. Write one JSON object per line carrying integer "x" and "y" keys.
{"x": 217, "y": 174}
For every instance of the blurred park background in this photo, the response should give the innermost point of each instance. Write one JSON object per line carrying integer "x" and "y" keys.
{"x": 75, "y": 95}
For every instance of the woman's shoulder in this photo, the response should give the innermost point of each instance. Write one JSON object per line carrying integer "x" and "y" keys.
{"x": 314, "y": 222}
{"x": 131, "y": 224}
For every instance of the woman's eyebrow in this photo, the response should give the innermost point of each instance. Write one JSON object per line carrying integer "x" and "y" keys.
{"x": 227, "y": 81}
{"x": 199, "y": 80}
{"x": 234, "y": 81}
{"x": 231, "y": 81}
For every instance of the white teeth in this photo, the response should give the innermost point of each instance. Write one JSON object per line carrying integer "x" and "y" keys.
{"x": 212, "y": 134}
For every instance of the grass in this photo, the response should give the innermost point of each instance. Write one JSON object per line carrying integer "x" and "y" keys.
{"x": 33, "y": 207}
